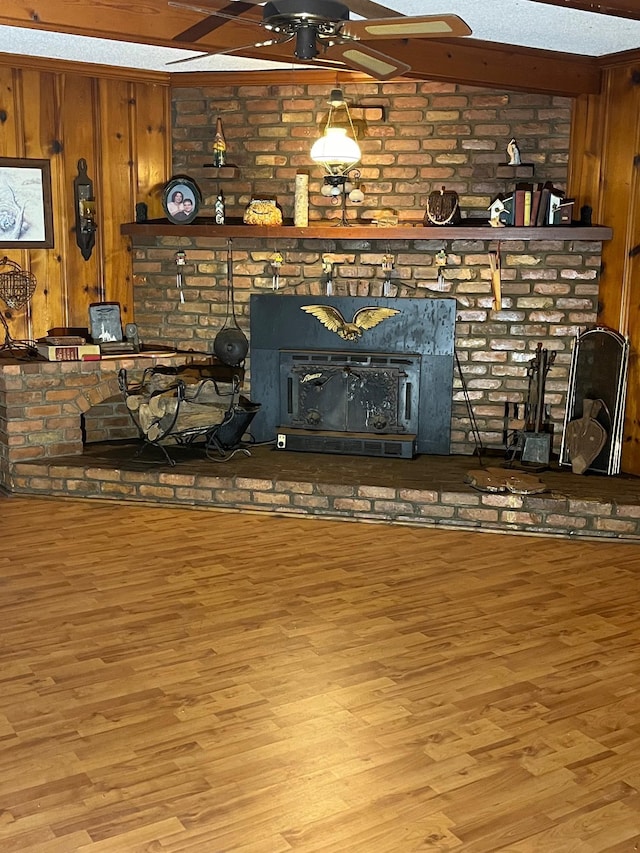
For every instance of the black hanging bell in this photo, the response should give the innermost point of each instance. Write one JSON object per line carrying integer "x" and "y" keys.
{"x": 230, "y": 345}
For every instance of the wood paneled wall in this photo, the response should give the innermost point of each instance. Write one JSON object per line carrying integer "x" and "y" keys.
{"x": 120, "y": 124}
{"x": 604, "y": 173}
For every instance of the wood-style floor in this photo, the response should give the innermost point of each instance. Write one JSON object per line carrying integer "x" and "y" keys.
{"x": 183, "y": 680}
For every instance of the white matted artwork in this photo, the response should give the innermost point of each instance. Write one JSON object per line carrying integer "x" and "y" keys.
{"x": 26, "y": 218}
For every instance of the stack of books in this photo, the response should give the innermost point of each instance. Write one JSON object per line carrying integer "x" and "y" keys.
{"x": 67, "y": 348}
{"x": 535, "y": 206}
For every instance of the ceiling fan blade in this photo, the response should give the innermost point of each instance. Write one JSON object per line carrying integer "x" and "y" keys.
{"x": 258, "y": 44}
{"x": 424, "y": 26}
{"x": 363, "y": 8}
{"x": 214, "y": 17}
{"x": 363, "y": 58}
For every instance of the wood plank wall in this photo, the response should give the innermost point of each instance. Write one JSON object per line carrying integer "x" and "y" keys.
{"x": 119, "y": 123}
{"x": 605, "y": 173}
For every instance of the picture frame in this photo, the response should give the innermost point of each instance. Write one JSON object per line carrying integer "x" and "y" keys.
{"x": 181, "y": 199}
{"x": 105, "y": 322}
{"x": 26, "y": 213}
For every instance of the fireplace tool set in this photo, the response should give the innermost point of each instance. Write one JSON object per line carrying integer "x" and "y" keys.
{"x": 529, "y": 428}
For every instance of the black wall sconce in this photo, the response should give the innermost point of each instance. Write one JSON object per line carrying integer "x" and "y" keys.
{"x": 85, "y": 207}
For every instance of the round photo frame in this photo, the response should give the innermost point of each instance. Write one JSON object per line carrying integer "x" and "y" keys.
{"x": 181, "y": 199}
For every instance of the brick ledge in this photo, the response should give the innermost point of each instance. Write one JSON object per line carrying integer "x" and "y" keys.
{"x": 550, "y": 514}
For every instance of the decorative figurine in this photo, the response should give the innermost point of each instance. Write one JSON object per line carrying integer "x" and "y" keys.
{"x": 219, "y": 209}
{"x": 181, "y": 260}
{"x": 219, "y": 145}
{"x": 276, "y": 260}
{"x": 327, "y": 273}
{"x": 441, "y": 262}
{"x": 514, "y": 153}
{"x": 387, "y": 268}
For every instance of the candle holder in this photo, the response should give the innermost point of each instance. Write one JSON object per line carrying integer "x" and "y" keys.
{"x": 342, "y": 186}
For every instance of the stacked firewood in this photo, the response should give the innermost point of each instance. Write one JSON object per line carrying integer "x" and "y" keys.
{"x": 163, "y": 407}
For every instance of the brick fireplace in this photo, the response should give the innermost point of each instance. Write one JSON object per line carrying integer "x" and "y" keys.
{"x": 549, "y": 294}
{"x": 41, "y": 441}
{"x": 433, "y": 134}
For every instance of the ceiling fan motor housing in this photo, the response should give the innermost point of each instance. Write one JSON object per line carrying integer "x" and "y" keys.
{"x": 288, "y": 15}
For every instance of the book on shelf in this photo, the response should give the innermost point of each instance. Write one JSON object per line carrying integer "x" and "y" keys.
{"x": 68, "y": 352}
{"x": 556, "y": 197}
{"x": 522, "y": 205}
{"x": 543, "y": 209}
{"x": 535, "y": 204}
{"x": 563, "y": 214}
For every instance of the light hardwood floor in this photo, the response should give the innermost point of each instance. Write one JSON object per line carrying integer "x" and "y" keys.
{"x": 182, "y": 680}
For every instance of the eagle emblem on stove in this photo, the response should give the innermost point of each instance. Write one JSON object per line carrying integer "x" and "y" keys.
{"x": 364, "y": 318}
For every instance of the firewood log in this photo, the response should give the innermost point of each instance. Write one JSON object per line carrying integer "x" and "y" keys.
{"x": 145, "y": 417}
{"x": 163, "y": 404}
{"x": 134, "y": 400}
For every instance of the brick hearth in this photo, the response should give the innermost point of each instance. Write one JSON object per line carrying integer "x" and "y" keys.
{"x": 44, "y": 405}
{"x": 427, "y": 491}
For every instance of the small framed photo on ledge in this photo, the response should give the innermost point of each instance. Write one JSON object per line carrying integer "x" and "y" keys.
{"x": 26, "y": 218}
{"x": 181, "y": 200}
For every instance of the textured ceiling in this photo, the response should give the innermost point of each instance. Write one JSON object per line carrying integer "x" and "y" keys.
{"x": 511, "y": 22}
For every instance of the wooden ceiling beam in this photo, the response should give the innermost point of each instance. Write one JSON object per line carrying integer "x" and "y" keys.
{"x": 479, "y": 63}
{"x": 143, "y": 21}
{"x": 476, "y": 63}
{"x": 617, "y": 8}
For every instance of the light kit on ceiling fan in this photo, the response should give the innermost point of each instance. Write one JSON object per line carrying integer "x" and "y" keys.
{"x": 323, "y": 31}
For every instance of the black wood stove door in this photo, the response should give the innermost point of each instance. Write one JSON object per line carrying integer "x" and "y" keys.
{"x": 365, "y": 393}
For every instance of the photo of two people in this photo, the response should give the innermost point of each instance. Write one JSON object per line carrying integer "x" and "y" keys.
{"x": 181, "y": 200}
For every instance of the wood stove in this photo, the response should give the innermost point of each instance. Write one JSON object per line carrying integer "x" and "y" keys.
{"x": 379, "y": 390}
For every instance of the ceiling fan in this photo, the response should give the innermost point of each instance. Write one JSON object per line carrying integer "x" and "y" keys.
{"x": 323, "y": 29}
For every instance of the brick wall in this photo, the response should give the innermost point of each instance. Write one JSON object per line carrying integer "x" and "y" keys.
{"x": 108, "y": 421}
{"x": 550, "y": 292}
{"x": 419, "y": 136}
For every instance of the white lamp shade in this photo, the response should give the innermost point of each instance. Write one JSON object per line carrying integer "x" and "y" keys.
{"x": 335, "y": 150}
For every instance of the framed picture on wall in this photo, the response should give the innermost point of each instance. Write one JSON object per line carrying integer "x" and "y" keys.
{"x": 26, "y": 218}
{"x": 181, "y": 199}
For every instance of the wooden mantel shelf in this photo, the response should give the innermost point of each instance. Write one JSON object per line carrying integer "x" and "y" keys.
{"x": 203, "y": 227}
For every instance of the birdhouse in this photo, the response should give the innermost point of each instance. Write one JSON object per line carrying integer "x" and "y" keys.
{"x": 556, "y": 198}
{"x": 501, "y": 210}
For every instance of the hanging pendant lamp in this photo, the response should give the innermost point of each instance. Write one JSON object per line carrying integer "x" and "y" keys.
{"x": 335, "y": 149}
